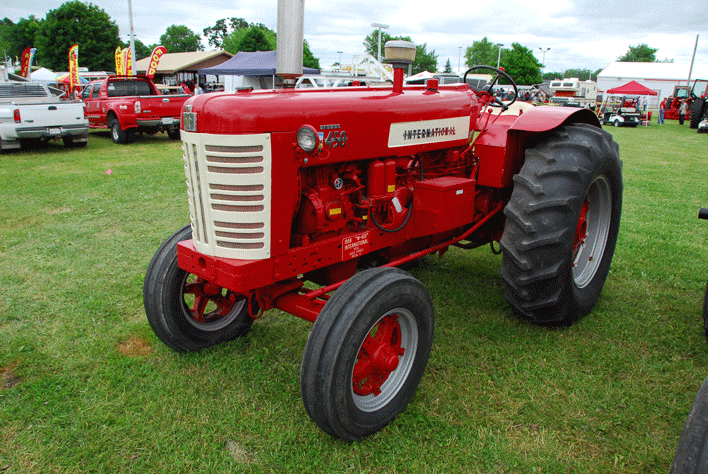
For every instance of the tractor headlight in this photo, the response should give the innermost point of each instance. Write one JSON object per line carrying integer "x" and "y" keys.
{"x": 307, "y": 138}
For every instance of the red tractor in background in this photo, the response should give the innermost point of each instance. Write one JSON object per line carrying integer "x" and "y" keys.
{"x": 696, "y": 98}
{"x": 305, "y": 200}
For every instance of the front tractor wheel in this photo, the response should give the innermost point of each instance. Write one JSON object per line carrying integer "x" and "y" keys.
{"x": 562, "y": 223}
{"x": 366, "y": 353}
{"x": 188, "y": 313}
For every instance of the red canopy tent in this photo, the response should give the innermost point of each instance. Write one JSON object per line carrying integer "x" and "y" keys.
{"x": 632, "y": 88}
{"x": 629, "y": 89}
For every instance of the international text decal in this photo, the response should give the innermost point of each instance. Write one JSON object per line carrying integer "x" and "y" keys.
{"x": 428, "y": 133}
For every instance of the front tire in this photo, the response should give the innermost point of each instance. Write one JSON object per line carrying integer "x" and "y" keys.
{"x": 562, "y": 223}
{"x": 185, "y": 312}
{"x": 366, "y": 353}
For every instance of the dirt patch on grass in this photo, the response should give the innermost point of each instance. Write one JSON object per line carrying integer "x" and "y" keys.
{"x": 8, "y": 379}
{"x": 135, "y": 346}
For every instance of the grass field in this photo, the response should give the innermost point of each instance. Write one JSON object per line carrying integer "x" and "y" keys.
{"x": 86, "y": 387}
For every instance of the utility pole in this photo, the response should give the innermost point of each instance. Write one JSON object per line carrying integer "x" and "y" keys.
{"x": 499, "y": 55}
{"x": 543, "y": 69}
{"x": 379, "y": 26}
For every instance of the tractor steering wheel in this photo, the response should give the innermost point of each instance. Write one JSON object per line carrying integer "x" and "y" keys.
{"x": 489, "y": 87}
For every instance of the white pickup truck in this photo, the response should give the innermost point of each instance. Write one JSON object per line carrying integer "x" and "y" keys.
{"x": 30, "y": 112}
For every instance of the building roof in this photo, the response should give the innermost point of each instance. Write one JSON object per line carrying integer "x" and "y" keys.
{"x": 258, "y": 63}
{"x": 653, "y": 71}
{"x": 191, "y": 61}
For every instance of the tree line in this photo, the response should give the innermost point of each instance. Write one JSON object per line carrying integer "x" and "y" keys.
{"x": 97, "y": 35}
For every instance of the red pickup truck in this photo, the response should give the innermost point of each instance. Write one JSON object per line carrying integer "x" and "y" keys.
{"x": 129, "y": 104}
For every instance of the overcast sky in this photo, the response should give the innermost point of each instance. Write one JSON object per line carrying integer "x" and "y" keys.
{"x": 584, "y": 34}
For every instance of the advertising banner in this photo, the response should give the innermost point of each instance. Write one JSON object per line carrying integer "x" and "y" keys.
{"x": 155, "y": 60}
{"x": 119, "y": 61}
{"x": 127, "y": 62}
{"x": 74, "y": 66}
{"x": 26, "y": 64}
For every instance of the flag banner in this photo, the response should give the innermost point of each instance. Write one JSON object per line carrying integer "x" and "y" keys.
{"x": 119, "y": 61}
{"x": 155, "y": 60}
{"x": 74, "y": 66}
{"x": 127, "y": 62}
{"x": 26, "y": 64}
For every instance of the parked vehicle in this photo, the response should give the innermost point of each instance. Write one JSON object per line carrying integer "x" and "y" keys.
{"x": 291, "y": 192}
{"x": 699, "y": 106}
{"x": 130, "y": 104}
{"x": 29, "y": 112}
{"x": 573, "y": 92}
{"x": 623, "y": 112}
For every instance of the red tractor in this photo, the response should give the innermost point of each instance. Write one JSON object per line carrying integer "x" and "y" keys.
{"x": 306, "y": 200}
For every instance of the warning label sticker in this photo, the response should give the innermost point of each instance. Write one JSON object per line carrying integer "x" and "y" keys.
{"x": 354, "y": 246}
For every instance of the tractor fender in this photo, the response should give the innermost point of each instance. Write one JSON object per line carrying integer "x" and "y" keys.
{"x": 543, "y": 119}
{"x": 501, "y": 147}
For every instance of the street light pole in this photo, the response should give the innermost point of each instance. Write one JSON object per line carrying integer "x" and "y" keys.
{"x": 379, "y": 26}
{"x": 499, "y": 55}
{"x": 543, "y": 69}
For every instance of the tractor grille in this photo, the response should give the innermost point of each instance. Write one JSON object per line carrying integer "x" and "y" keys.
{"x": 228, "y": 182}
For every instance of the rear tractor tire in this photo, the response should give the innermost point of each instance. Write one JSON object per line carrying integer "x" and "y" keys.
{"x": 185, "y": 312}
{"x": 562, "y": 223}
{"x": 366, "y": 353}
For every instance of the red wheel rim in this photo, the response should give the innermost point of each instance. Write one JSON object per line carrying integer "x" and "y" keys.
{"x": 209, "y": 306}
{"x": 378, "y": 357}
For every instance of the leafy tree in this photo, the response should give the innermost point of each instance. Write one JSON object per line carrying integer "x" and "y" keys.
{"x": 521, "y": 65}
{"x": 141, "y": 50}
{"x": 180, "y": 39}
{"x": 258, "y": 37}
{"x": 309, "y": 59}
{"x": 254, "y": 40}
{"x": 15, "y": 37}
{"x": 448, "y": 66}
{"x": 222, "y": 29}
{"x": 424, "y": 60}
{"x": 482, "y": 53}
{"x": 231, "y": 43}
{"x": 639, "y": 53}
{"x": 80, "y": 23}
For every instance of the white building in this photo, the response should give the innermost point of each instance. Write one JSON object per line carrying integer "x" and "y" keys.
{"x": 661, "y": 77}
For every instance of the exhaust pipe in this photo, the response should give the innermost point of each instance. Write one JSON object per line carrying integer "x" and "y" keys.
{"x": 291, "y": 25}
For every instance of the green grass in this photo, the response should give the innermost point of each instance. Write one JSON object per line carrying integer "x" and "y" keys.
{"x": 86, "y": 387}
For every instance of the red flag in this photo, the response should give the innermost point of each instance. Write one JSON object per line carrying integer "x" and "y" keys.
{"x": 155, "y": 60}
{"x": 26, "y": 60}
{"x": 74, "y": 66}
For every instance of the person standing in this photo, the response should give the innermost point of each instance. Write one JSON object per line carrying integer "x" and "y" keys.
{"x": 662, "y": 109}
{"x": 683, "y": 110}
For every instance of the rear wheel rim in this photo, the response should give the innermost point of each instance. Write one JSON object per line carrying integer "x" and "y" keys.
{"x": 385, "y": 360}
{"x": 592, "y": 231}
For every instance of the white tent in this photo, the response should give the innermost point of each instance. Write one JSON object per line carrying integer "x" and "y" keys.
{"x": 44, "y": 76}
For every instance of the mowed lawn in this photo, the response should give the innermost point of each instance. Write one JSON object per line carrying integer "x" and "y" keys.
{"x": 86, "y": 387}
